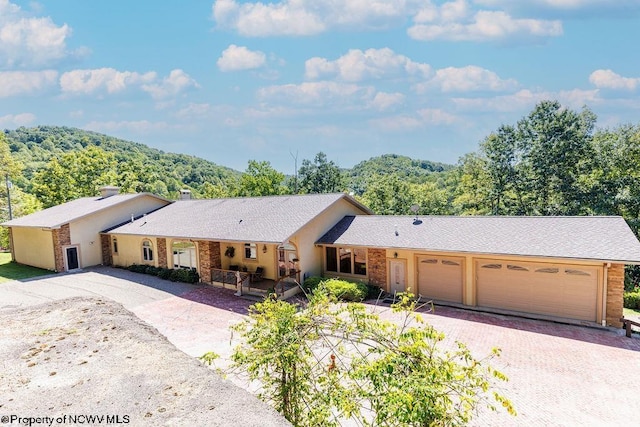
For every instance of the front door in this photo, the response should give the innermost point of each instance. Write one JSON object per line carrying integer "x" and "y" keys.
{"x": 73, "y": 262}
{"x": 287, "y": 260}
{"x": 397, "y": 268}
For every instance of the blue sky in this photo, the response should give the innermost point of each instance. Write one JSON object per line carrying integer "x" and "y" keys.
{"x": 231, "y": 80}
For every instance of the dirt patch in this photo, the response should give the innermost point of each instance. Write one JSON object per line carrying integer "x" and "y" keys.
{"x": 87, "y": 356}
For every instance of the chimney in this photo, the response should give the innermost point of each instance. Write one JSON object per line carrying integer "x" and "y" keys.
{"x": 185, "y": 194}
{"x": 108, "y": 191}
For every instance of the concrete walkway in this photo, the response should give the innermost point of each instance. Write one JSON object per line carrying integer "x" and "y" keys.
{"x": 560, "y": 375}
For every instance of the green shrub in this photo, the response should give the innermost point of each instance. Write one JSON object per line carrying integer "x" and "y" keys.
{"x": 311, "y": 283}
{"x": 632, "y": 300}
{"x": 373, "y": 291}
{"x": 151, "y": 270}
{"x": 137, "y": 268}
{"x": 164, "y": 273}
{"x": 346, "y": 291}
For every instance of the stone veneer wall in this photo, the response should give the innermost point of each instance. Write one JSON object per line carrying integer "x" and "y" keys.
{"x": 105, "y": 243}
{"x": 377, "y": 266}
{"x": 162, "y": 252}
{"x": 209, "y": 255}
{"x": 615, "y": 289}
{"x": 61, "y": 237}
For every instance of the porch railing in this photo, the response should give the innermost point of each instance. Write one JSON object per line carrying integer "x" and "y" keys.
{"x": 230, "y": 277}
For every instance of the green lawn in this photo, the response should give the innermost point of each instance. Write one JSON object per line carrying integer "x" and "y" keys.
{"x": 12, "y": 271}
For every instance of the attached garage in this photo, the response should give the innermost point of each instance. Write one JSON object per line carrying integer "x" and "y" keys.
{"x": 562, "y": 267}
{"x": 569, "y": 291}
{"x": 440, "y": 278}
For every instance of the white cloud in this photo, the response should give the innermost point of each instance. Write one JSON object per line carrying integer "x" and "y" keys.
{"x": 467, "y": 79}
{"x": 607, "y": 79}
{"x": 103, "y": 81}
{"x": 236, "y": 58}
{"x": 194, "y": 110}
{"x": 357, "y": 65}
{"x": 525, "y": 99}
{"x": 307, "y": 17}
{"x": 259, "y": 19}
{"x": 435, "y": 116}
{"x": 177, "y": 82}
{"x": 17, "y": 120}
{"x": 14, "y": 83}
{"x": 455, "y": 21}
{"x": 100, "y": 80}
{"x": 315, "y": 93}
{"x": 383, "y": 101}
{"x": 30, "y": 41}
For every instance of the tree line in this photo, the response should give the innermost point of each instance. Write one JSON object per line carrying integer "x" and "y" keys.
{"x": 553, "y": 161}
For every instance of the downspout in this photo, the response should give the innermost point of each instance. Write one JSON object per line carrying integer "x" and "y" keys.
{"x": 604, "y": 293}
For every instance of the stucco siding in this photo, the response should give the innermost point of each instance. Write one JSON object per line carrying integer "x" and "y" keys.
{"x": 84, "y": 232}
{"x": 33, "y": 246}
{"x": 130, "y": 250}
{"x": 305, "y": 239}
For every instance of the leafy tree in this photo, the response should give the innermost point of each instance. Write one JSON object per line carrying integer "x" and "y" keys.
{"x": 555, "y": 151}
{"x": 260, "y": 179}
{"x": 74, "y": 175}
{"x": 472, "y": 192}
{"x": 321, "y": 176}
{"x": 328, "y": 362}
{"x": 389, "y": 196}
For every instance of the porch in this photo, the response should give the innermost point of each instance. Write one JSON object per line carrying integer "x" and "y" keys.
{"x": 285, "y": 287}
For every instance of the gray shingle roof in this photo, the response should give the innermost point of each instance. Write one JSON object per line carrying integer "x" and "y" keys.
{"x": 586, "y": 237}
{"x": 67, "y": 212}
{"x": 271, "y": 219}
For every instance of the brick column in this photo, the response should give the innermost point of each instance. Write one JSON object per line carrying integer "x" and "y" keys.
{"x": 615, "y": 289}
{"x": 209, "y": 255}
{"x": 61, "y": 237}
{"x": 377, "y": 267}
{"x": 105, "y": 243}
{"x": 162, "y": 253}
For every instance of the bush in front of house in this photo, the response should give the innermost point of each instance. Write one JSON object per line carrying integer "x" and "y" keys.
{"x": 632, "y": 300}
{"x": 184, "y": 275}
{"x": 311, "y": 283}
{"x": 179, "y": 275}
{"x": 342, "y": 289}
{"x": 345, "y": 290}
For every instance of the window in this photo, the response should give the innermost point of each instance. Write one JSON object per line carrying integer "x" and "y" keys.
{"x": 516, "y": 267}
{"x": 250, "y": 251}
{"x": 360, "y": 261}
{"x": 147, "y": 250}
{"x": 346, "y": 260}
{"x": 332, "y": 259}
{"x": 184, "y": 255}
{"x": 115, "y": 245}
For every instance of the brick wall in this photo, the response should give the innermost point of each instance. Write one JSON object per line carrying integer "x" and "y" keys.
{"x": 13, "y": 254}
{"x": 105, "y": 243}
{"x": 61, "y": 237}
{"x": 209, "y": 256}
{"x": 162, "y": 253}
{"x": 615, "y": 289}
{"x": 377, "y": 266}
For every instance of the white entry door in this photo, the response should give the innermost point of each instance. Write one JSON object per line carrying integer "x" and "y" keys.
{"x": 397, "y": 275}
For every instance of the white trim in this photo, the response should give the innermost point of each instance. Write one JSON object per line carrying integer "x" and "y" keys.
{"x": 66, "y": 260}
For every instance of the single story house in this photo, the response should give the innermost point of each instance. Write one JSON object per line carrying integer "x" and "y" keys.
{"x": 67, "y": 237}
{"x": 275, "y": 233}
{"x": 548, "y": 267}
{"x": 560, "y": 267}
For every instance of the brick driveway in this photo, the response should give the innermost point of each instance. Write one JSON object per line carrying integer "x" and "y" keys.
{"x": 560, "y": 375}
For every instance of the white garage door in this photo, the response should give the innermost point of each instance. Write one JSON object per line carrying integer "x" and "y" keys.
{"x": 440, "y": 278}
{"x": 549, "y": 289}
